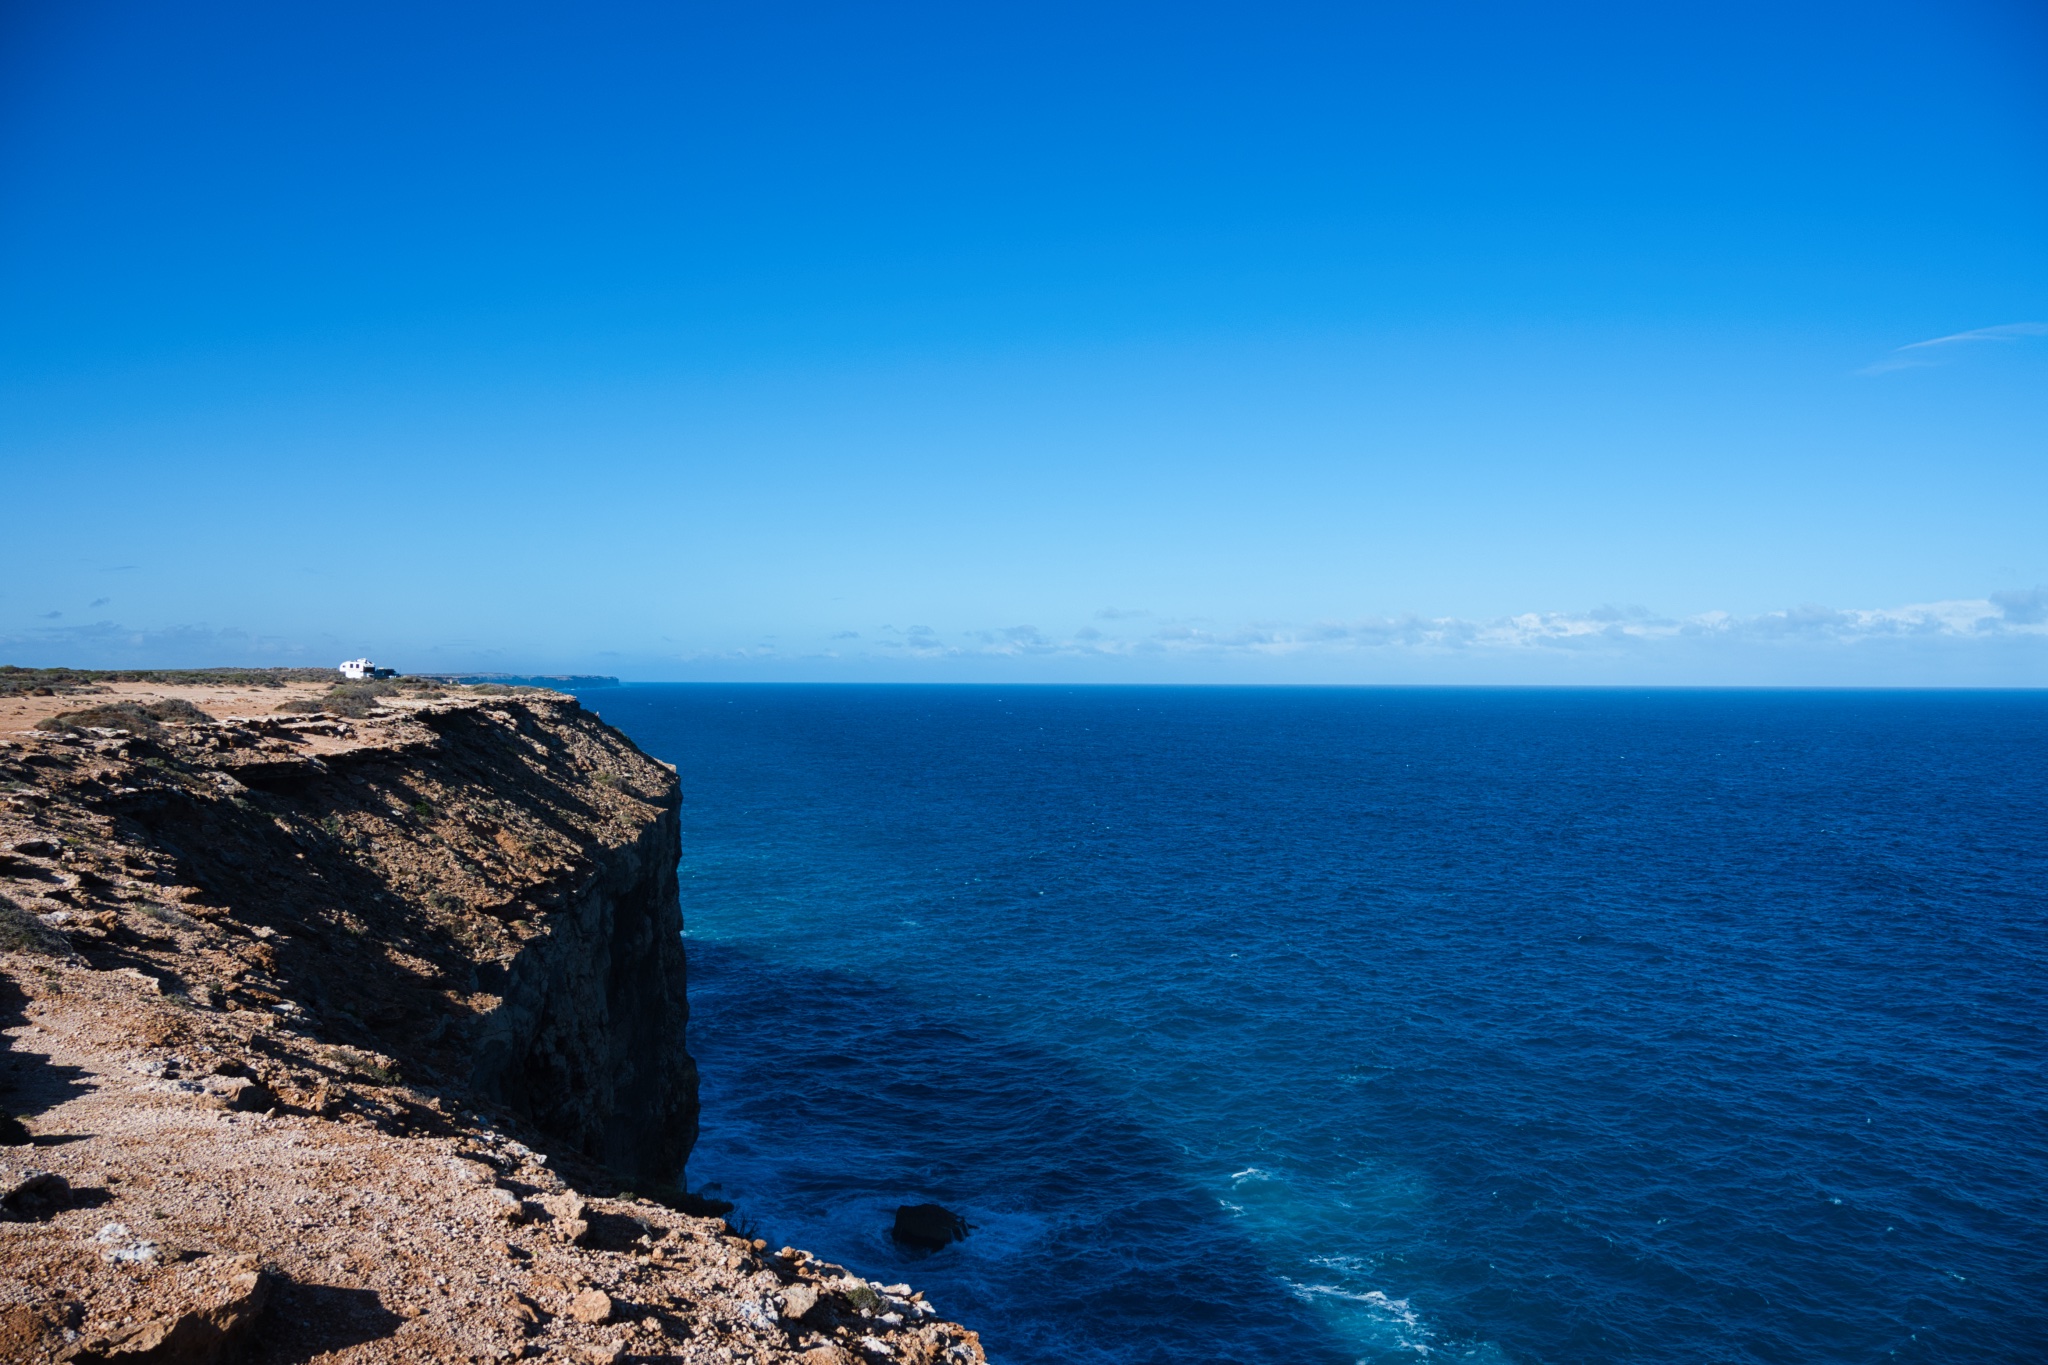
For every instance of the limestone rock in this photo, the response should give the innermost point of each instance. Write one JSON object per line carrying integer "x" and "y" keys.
{"x": 31, "y": 1196}
{"x": 448, "y": 1035}
{"x": 508, "y": 1205}
{"x": 568, "y": 1211}
{"x": 225, "y": 1294}
{"x": 241, "y": 1095}
{"x": 591, "y": 1306}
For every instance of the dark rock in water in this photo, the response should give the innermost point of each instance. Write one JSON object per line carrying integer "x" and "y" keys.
{"x": 930, "y": 1226}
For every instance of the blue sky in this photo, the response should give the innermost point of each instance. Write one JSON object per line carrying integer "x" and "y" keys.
{"x": 1207, "y": 343}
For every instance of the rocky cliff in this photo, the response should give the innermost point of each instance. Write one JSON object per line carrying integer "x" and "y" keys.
{"x": 483, "y": 890}
{"x": 374, "y": 1005}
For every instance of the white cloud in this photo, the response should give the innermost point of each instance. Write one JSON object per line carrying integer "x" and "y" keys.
{"x": 108, "y": 644}
{"x": 1602, "y": 630}
{"x": 2000, "y": 638}
{"x": 1936, "y": 350}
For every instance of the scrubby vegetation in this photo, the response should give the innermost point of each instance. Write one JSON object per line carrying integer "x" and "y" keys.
{"x": 22, "y": 932}
{"x": 141, "y": 717}
{"x": 358, "y": 699}
{"x": 57, "y": 682}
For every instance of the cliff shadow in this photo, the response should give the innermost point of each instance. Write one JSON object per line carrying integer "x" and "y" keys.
{"x": 828, "y": 1100}
{"x": 307, "y": 1321}
{"x": 30, "y": 1083}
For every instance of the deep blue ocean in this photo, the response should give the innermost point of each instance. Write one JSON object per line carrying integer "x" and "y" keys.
{"x": 1340, "y": 1025}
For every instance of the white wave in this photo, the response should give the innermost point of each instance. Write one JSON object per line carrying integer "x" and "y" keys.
{"x": 1395, "y": 1314}
{"x": 1354, "y": 1265}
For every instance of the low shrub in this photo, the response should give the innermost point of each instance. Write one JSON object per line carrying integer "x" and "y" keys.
{"x": 141, "y": 717}
{"x": 22, "y": 932}
{"x": 178, "y": 709}
{"x": 364, "y": 1067}
{"x": 47, "y": 682}
{"x": 358, "y": 700}
{"x": 120, "y": 715}
{"x": 164, "y": 914}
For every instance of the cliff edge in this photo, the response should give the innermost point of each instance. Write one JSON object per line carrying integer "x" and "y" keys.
{"x": 353, "y": 1030}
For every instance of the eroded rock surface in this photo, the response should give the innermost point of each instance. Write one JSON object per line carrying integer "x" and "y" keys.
{"x": 347, "y": 1039}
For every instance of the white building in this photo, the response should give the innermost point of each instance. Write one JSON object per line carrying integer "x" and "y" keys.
{"x": 363, "y": 668}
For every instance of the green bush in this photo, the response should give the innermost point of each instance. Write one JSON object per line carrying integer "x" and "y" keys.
{"x": 358, "y": 700}
{"x": 140, "y": 717}
{"x": 48, "y": 682}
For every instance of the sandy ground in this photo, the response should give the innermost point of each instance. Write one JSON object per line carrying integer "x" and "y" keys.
{"x": 19, "y": 713}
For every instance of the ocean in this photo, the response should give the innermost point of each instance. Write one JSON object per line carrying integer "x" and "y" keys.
{"x": 1302, "y": 1024}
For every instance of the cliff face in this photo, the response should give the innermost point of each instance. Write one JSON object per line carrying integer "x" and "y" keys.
{"x": 483, "y": 890}
{"x": 343, "y": 1039}
{"x": 586, "y": 1043}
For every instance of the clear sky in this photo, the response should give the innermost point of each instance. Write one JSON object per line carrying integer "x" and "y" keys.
{"x": 1459, "y": 342}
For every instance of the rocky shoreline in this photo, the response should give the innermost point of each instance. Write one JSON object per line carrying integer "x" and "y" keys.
{"x": 352, "y": 1032}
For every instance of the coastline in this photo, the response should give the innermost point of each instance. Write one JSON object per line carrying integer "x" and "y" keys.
{"x": 354, "y": 1032}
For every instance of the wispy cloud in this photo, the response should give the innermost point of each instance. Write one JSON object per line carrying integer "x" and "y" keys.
{"x": 2007, "y": 628}
{"x": 1601, "y": 630}
{"x": 1939, "y": 350}
{"x": 108, "y": 644}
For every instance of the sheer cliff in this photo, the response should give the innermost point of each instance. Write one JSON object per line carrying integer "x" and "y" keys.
{"x": 483, "y": 890}
{"x": 377, "y": 1011}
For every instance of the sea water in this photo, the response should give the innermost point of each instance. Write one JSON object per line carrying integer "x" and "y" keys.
{"x": 1384, "y": 1024}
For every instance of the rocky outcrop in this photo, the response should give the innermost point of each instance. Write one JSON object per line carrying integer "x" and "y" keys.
{"x": 586, "y": 1043}
{"x": 218, "y": 1300}
{"x": 481, "y": 889}
{"x": 351, "y": 1038}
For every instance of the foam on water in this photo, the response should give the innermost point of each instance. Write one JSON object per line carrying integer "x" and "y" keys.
{"x": 1277, "y": 1025}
